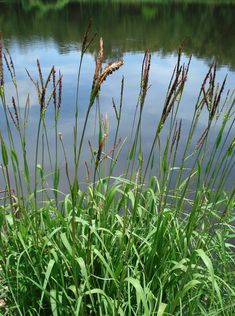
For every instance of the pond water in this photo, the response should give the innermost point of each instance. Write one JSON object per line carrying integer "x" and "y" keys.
{"x": 53, "y": 34}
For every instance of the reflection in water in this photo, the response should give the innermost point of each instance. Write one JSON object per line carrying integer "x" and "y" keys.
{"x": 205, "y": 30}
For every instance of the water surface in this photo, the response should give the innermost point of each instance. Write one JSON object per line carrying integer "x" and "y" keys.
{"x": 54, "y": 37}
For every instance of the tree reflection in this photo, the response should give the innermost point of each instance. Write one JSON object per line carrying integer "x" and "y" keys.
{"x": 205, "y": 30}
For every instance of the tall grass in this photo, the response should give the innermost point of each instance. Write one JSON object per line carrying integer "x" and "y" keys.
{"x": 155, "y": 241}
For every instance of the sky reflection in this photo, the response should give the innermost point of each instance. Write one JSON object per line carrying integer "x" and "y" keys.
{"x": 67, "y": 61}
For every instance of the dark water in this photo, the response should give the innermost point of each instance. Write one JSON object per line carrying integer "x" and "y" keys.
{"x": 54, "y": 34}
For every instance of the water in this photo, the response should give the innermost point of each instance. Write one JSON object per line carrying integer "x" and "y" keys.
{"x": 54, "y": 34}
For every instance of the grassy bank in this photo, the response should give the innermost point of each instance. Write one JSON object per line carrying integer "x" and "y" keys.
{"x": 154, "y": 241}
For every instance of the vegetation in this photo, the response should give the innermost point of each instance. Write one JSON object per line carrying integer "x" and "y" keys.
{"x": 154, "y": 241}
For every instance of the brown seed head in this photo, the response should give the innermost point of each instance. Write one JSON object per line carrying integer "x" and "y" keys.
{"x": 42, "y": 100}
{"x": 105, "y": 125}
{"x": 49, "y": 76}
{"x": 11, "y": 64}
{"x": 179, "y": 59}
{"x": 108, "y": 70}
{"x": 217, "y": 98}
{"x": 12, "y": 117}
{"x": 179, "y": 132}
{"x": 85, "y": 38}
{"x": 8, "y": 64}
{"x": 100, "y": 76}
{"x": 60, "y": 91}
{"x": 212, "y": 82}
{"x": 174, "y": 136}
{"x": 205, "y": 101}
{"x": 54, "y": 87}
{"x": 145, "y": 76}
{"x": 40, "y": 74}
{"x": 221, "y": 91}
{"x": 1, "y": 63}
{"x": 207, "y": 76}
{"x": 15, "y": 111}
{"x": 201, "y": 140}
{"x": 99, "y": 61}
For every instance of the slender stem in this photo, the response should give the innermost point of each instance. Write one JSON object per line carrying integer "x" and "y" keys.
{"x": 76, "y": 110}
{"x": 36, "y": 161}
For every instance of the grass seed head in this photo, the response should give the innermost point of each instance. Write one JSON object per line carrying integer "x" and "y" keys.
{"x": 12, "y": 117}
{"x": 60, "y": 91}
{"x": 99, "y": 75}
{"x": 15, "y": 111}
{"x": 145, "y": 77}
{"x": 85, "y": 38}
{"x": 54, "y": 87}
{"x": 108, "y": 70}
{"x": 99, "y": 62}
{"x": 11, "y": 64}
{"x": 1, "y": 62}
{"x": 40, "y": 74}
{"x": 202, "y": 139}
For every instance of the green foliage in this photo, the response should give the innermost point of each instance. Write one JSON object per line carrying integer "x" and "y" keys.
{"x": 155, "y": 241}
{"x": 115, "y": 266}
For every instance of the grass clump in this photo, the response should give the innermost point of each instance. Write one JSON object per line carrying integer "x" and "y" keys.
{"x": 154, "y": 241}
{"x": 116, "y": 265}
